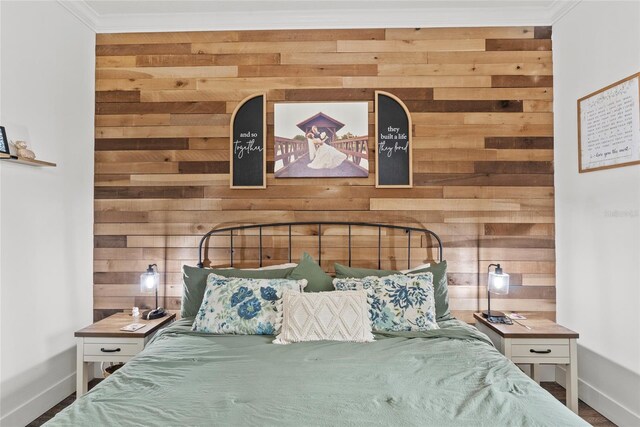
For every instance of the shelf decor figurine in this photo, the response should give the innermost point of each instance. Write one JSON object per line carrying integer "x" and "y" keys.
{"x": 23, "y": 151}
{"x": 4, "y": 143}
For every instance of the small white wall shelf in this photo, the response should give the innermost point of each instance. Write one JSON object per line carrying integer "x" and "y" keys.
{"x": 24, "y": 161}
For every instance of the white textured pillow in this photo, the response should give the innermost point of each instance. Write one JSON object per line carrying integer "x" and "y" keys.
{"x": 318, "y": 316}
{"x": 279, "y": 267}
{"x": 418, "y": 267}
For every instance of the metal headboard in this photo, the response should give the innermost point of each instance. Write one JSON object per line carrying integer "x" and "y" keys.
{"x": 230, "y": 230}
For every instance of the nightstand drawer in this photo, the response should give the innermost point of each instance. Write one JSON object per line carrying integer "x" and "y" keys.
{"x": 542, "y": 351}
{"x": 113, "y": 348}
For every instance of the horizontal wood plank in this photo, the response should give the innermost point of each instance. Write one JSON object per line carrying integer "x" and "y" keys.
{"x": 518, "y": 44}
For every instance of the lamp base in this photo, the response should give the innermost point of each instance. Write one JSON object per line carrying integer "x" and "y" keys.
{"x": 494, "y": 313}
{"x": 160, "y": 312}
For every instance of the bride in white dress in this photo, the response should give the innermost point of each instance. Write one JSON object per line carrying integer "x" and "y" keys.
{"x": 323, "y": 155}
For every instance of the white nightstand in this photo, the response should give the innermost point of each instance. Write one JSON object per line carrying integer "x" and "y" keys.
{"x": 545, "y": 343}
{"x": 105, "y": 342}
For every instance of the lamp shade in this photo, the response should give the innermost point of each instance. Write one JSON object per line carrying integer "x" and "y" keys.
{"x": 498, "y": 283}
{"x": 149, "y": 280}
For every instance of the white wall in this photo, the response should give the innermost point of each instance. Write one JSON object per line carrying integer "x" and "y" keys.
{"x": 598, "y": 213}
{"x": 47, "y": 82}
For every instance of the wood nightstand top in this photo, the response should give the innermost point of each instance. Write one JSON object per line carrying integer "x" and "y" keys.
{"x": 110, "y": 327}
{"x": 540, "y": 328}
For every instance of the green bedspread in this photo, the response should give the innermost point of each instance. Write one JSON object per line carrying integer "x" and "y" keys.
{"x": 451, "y": 376}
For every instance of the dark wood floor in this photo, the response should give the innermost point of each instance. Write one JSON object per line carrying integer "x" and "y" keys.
{"x": 587, "y": 413}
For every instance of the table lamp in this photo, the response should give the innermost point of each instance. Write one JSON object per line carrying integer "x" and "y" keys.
{"x": 149, "y": 281}
{"x": 498, "y": 283}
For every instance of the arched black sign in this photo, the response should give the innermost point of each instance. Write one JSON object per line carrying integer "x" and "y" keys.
{"x": 248, "y": 143}
{"x": 393, "y": 142}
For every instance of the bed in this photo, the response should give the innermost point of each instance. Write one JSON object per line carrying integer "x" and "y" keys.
{"x": 451, "y": 376}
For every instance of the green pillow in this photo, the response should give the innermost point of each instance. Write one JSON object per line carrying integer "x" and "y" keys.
{"x": 440, "y": 288}
{"x": 342, "y": 271}
{"x": 195, "y": 283}
{"x": 318, "y": 280}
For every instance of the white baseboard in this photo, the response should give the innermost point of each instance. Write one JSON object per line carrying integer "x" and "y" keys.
{"x": 40, "y": 403}
{"x": 599, "y": 401}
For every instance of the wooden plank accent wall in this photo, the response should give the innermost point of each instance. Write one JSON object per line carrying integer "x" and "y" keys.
{"x": 481, "y": 105}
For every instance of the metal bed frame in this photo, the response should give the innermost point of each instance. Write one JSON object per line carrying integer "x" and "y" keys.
{"x": 230, "y": 230}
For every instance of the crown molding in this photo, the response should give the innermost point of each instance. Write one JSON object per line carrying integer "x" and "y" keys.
{"x": 560, "y": 9}
{"x": 375, "y": 17}
{"x": 83, "y": 12}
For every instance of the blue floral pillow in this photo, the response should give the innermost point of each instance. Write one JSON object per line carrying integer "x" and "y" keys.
{"x": 398, "y": 302}
{"x": 233, "y": 305}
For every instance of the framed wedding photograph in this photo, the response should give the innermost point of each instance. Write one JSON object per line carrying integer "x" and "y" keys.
{"x": 321, "y": 140}
{"x": 4, "y": 142}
